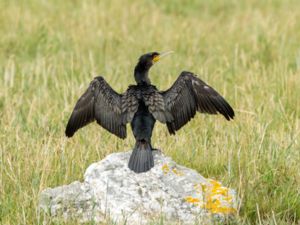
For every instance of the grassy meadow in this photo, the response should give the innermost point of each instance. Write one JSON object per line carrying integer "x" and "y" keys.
{"x": 247, "y": 50}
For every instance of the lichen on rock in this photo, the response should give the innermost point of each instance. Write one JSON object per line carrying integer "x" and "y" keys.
{"x": 168, "y": 191}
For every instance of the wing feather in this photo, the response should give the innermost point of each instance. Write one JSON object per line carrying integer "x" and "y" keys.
{"x": 101, "y": 103}
{"x": 190, "y": 94}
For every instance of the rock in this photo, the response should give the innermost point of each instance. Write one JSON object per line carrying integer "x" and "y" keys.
{"x": 168, "y": 192}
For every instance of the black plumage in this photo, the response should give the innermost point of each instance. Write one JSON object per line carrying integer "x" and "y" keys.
{"x": 142, "y": 104}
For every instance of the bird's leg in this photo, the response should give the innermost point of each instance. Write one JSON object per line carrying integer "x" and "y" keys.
{"x": 155, "y": 149}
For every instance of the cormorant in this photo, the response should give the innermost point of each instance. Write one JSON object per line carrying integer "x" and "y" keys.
{"x": 142, "y": 104}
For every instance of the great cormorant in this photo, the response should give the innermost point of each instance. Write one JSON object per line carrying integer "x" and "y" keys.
{"x": 142, "y": 104}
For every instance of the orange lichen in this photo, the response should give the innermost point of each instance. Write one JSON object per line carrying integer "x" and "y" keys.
{"x": 219, "y": 191}
{"x": 177, "y": 172}
{"x": 217, "y": 199}
{"x": 215, "y": 205}
{"x": 216, "y": 196}
{"x": 220, "y": 209}
{"x": 165, "y": 168}
{"x": 216, "y": 184}
{"x": 191, "y": 199}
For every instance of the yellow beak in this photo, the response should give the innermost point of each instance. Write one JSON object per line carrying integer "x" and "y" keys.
{"x": 158, "y": 57}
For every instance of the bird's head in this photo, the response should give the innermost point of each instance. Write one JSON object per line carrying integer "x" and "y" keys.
{"x": 144, "y": 64}
{"x": 149, "y": 59}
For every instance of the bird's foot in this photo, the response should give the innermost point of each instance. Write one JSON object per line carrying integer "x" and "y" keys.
{"x": 156, "y": 149}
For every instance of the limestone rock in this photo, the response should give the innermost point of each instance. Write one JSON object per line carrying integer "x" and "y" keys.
{"x": 168, "y": 192}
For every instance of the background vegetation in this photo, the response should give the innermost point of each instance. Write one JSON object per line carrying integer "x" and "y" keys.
{"x": 248, "y": 50}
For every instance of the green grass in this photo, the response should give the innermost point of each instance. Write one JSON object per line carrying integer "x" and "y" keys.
{"x": 248, "y": 50}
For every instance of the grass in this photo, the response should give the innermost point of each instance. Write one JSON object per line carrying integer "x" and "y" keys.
{"x": 248, "y": 50}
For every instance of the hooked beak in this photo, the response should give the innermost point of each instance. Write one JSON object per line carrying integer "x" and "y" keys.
{"x": 158, "y": 57}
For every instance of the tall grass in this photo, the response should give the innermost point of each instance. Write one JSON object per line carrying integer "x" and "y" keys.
{"x": 248, "y": 50}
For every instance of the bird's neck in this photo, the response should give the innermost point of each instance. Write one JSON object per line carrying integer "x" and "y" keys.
{"x": 141, "y": 75}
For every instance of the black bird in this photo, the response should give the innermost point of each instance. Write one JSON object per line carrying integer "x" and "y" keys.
{"x": 142, "y": 104}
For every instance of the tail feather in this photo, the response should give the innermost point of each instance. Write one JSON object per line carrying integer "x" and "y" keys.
{"x": 141, "y": 159}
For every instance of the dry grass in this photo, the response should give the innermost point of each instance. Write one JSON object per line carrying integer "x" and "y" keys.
{"x": 248, "y": 50}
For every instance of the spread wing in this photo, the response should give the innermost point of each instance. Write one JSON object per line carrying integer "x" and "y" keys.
{"x": 101, "y": 103}
{"x": 190, "y": 94}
